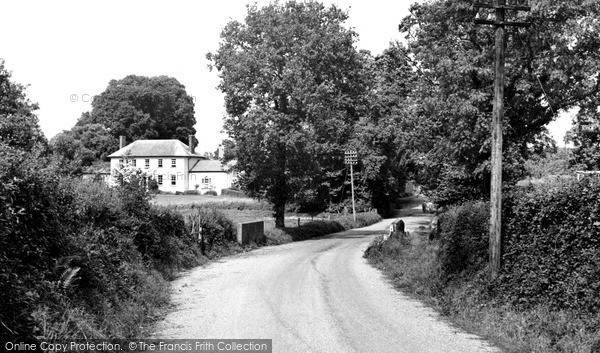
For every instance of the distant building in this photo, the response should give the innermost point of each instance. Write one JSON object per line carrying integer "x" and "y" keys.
{"x": 174, "y": 165}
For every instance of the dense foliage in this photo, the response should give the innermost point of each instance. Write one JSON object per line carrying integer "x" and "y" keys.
{"x": 585, "y": 135}
{"x": 316, "y": 229}
{"x": 380, "y": 135}
{"x": 136, "y": 107}
{"x": 292, "y": 79}
{"x": 18, "y": 124}
{"x": 551, "y": 244}
{"x": 550, "y": 66}
{"x": 96, "y": 254}
{"x": 140, "y": 107}
{"x": 464, "y": 234}
{"x": 211, "y": 227}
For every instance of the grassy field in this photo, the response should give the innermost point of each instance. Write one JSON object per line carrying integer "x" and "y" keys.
{"x": 237, "y": 209}
{"x": 188, "y": 200}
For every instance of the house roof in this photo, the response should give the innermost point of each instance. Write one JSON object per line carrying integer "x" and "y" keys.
{"x": 155, "y": 148}
{"x": 208, "y": 165}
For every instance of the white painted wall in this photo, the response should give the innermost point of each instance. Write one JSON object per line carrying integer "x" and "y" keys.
{"x": 183, "y": 180}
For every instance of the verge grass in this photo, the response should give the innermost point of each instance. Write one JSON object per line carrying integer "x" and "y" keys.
{"x": 412, "y": 265}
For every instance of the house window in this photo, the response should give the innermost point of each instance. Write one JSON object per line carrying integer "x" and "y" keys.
{"x": 160, "y": 179}
{"x": 160, "y": 162}
{"x": 206, "y": 181}
{"x": 173, "y": 163}
{"x": 173, "y": 180}
{"x": 146, "y": 163}
{"x": 120, "y": 163}
{"x": 133, "y": 162}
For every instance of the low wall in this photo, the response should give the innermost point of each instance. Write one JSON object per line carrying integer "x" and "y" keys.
{"x": 251, "y": 232}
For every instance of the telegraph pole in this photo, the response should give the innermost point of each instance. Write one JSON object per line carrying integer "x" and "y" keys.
{"x": 351, "y": 158}
{"x": 497, "y": 117}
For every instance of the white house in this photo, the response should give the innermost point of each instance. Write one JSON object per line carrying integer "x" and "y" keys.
{"x": 173, "y": 165}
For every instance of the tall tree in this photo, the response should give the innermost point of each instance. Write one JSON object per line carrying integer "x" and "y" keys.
{"x": 552, "y": 65}
{"x": 292, "y": 81}
{"x": 380, "y": 133}
{"x": 19, "y": 126}
{"x": 142, "y": 107}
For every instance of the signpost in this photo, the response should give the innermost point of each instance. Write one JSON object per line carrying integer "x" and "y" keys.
{"x": 351, "y": 158}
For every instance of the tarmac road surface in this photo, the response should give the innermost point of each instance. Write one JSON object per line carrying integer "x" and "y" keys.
{"x": 312, "y": 296}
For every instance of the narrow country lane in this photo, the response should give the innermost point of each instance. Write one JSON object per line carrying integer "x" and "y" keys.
{"x": 311, "y": 296}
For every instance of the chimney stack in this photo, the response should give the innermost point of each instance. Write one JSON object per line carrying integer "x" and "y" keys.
{"x": 221, "y": 152}
{"x": 122, "y": 142}
{"x": 191, "y": 144}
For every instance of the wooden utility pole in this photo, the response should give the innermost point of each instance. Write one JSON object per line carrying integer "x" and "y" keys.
{"x": 497, "y": 117}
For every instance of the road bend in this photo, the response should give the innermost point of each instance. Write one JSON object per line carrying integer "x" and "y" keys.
{"x": 312, "y": 296}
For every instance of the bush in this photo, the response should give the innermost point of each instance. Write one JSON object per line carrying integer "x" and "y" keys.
{"x": 210, "y": 193}
{"x": 277, "y": 236}
{"x": 551, "y": 245}
{"x": 316, "y": 229}
{"x": 233, "y": 193}
{"x": 215, "y": 227}
{"x": 191, "y": 192}
{"x": 362, "y": 220}
{"x": 79, "y": 259}
{"x": 464, "y": 239}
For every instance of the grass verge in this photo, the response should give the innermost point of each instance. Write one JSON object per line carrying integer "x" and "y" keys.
{"x": 412, "y": 265}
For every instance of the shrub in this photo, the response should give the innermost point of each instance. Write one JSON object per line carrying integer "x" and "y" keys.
{"x": 464, "y": 239}
{"x": 35, "y": 218}
{"x": 313, "y": 229}
{"x": 316, "y": 229}
{"x": 79, "y": 259}
{"x": 362, "y": 220}
{"x": 216, "y": 228}
{"x": 277, "y": 236}
{"x": 233, "y": 193}
{"x": 165, "y": 242}
{"x": 210, "y": 193}
{"x": 551, "y": 245}
{"x": 191, "y": 192}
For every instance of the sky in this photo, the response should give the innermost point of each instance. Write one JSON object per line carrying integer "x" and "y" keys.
{"x": 68, "y": 51}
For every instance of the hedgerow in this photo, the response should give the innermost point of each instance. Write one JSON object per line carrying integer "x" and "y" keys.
{"x": 551, "y": 246}
{"x": 546, "y": 296}
{"x": 316, "y": 229}
{"x": 79, "y": 259}
{"x": 213, "y": 226}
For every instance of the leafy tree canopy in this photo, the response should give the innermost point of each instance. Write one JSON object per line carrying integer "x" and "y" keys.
{"x": 552, "y": 65}
{"x": 293, "y": 85}
{"x": 142, "y": 107}
{"x": 380, "y": 133}
{"x": 19, "y": 126}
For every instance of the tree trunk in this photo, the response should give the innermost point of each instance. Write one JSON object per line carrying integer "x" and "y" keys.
{"x": 279, "y": 215}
